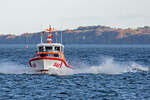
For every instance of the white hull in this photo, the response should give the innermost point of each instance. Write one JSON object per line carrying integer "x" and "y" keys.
{"x": 50, "y": 67}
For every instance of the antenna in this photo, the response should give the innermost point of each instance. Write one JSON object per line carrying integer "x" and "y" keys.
{"x": 41, "y": 38}
{"x": 26, "y": 34}
{"x": 56, "y": 36}
{"x": 42, "y": 33}
{"x": 61, "y": 37}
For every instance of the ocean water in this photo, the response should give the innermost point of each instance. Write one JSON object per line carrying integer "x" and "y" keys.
{"x": 101, "y": 72}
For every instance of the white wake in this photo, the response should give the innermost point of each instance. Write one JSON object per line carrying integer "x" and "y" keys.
{"x": 107, "y": 66}
{"x": 9, "y": 67}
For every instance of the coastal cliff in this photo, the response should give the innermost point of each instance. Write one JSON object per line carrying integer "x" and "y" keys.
{"x": 86, "y": 35}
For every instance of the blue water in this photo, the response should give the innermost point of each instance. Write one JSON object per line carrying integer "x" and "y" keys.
{"x": 101, "y": 72}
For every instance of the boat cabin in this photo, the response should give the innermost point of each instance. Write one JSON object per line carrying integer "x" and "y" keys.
{"x": 50, "y": 50}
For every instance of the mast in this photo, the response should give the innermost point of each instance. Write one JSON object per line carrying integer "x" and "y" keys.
{"x": 49, "y": 39}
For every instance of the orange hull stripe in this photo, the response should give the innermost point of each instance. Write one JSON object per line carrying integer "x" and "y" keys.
{"x": 46, "y": 53}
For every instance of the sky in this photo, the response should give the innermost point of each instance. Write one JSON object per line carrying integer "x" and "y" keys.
{"x": 21, "y": 16}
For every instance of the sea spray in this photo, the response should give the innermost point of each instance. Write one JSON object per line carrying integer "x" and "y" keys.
{"x": 109, "y": 66}
{"x": 9, "y": 67}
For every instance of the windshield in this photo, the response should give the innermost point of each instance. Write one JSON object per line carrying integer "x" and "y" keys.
{"x": 57, "y": 48}
{"x": 41, "y": 49}
{"x": 48, "y": 48}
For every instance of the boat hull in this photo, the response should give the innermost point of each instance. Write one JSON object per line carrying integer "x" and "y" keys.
{"x": 50, "y": 66}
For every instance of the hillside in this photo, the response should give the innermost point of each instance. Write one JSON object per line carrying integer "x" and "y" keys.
{"x": 87, "y": 35}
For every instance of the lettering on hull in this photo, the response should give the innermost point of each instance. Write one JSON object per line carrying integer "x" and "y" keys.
{"x": 57, "y": 65}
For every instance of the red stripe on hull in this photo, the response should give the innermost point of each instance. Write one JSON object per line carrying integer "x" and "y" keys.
{"x": 50, "y": 58}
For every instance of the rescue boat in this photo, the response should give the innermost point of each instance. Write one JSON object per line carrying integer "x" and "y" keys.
{"x": 50, "y": 57}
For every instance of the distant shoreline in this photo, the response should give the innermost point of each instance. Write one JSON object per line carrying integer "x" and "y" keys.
{"x": 102, "y": 35}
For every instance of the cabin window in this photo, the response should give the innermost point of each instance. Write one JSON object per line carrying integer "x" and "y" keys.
{"x": 56, "y": 55}
{"x": 50, "y": 55}
{"x": 57, "y": 48}
{"x": 41, "y": 49}
{"x": 43, "y": 55}
{"x": 48, "y": 48}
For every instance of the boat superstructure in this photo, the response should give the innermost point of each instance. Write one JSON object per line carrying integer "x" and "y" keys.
{"x": 50, "y": 58}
